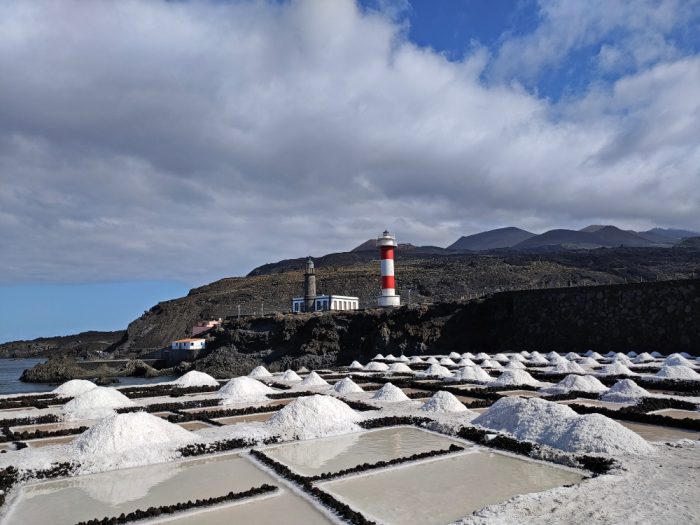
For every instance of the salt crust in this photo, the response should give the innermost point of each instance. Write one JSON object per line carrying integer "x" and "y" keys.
{"x": 313, "y": 379}
{"x": 400, "y": 368}
{"x": 560, "y": 427}
{"x": 243, "y": 390}
{"x": 120, "y": 433}
{"x": 514, "y": 378}
{"x": 442, "y": 401}
{"x": 259, "y": 372}
{"x": 312, "y": 417}
{"x": 291, "y": 375}
{"x": 74, "y": 387}
{"x": 374, "y": 366}
{"x": 96, "y": 403}
{"x": 356, "y": 365}
{"x": 678, "y": 372}
{"x": 576, "y": 383}
{"x": 195, "y": 378}
{"x": 473, "y": 374}
{"x": 625, "y": 391}
{"x": 389, "y": 394}
{"x": 435, "y": 371}
{"x": 347, "y": 386}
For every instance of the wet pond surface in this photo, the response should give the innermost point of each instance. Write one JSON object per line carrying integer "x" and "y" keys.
{"x": 340, "y": 452}
{"x": 445, "y": 489}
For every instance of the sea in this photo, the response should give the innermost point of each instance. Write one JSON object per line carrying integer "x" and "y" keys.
{"x": 11, "y": 370}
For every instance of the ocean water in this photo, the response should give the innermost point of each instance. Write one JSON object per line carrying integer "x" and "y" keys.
{"x": 11, "y": 370}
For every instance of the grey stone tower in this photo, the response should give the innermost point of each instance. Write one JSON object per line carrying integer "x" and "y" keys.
{"x": 309, "y": 286}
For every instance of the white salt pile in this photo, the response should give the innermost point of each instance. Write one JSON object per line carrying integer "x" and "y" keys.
{"x": 442, "y": 401}
{"x": 378, "y": 356}
{"x": 313, "y": 379}
{"x": 593, "y": 355}
{"x": 678, "y": 372}
{"x": 415, "y": 359}
{"x": 575, "y": 383}
{"x": 389, "y": 394}
{"x": 501, "y": 358}
{"x": 490, "y": 363}
{"x": 120, "y": 433}
{"x": 390, "y": 357}
{"x": 558, "y": 426}
{"x": 621, "y": 358}
{"x": 643, "y": 358}
{"x": 347, "y": 386}
{"x": 259, "y": 372}
{"x": 481, "y": 356}
{"x": 374, "y": 366}
{"x": 473, "y": 374}
{"x": 195, "y": 378}
{"x": 657, "y": 355}
{"x": 313, "y": 417}
{"x": 465, "y": 361}
{"x": 243, "y": 390}
{"x": 291, "y": 375}
{"x": 399, "y": 368}
{"x": 625, "y": 391}
{"x": 571, "y": 356}
{"x": 432, "y": 361}
{"x": 303, "y": 370}
{"x": 588, "y": 361}
{"x": 515, "y": 378}
{"x": 402, "y": 358}
{"x": 454, "y": 355}
{"x": 447, "y": 361}
{"x": 567, "y": 367}
{"x": 515, "y": 365}
{"x": 96, "y": 403}
{"x": 74, "y": 387}
{"x": 537, "y": 360}
{"x": 610, "y": 354}
{"x": 435, "y": 371}
{"x": 552, "y": 355}
{"x": 616, "y": 369}
{"x": 355, "y": 365}
{"x": 677, "y": 360}
{"x": 631, "y": 353}
{"x": 525, "y": 354}
{"x": 517, "y": 357}
{"x": 468, "y": 355}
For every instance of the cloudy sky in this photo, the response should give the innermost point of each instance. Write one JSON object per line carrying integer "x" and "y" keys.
{"x": 150, "y": 146}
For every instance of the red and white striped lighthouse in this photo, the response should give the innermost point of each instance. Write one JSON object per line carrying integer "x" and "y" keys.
{"x": 387, "y": 244}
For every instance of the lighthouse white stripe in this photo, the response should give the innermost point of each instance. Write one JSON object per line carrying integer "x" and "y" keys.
{"x": 387, "y": 267}
{"x": 388, "y": 291}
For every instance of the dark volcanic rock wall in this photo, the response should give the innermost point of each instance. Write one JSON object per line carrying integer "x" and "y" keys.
{"x": 642, "y": 317}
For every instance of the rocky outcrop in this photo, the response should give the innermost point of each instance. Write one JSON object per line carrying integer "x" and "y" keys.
{"x": 85, "y": 344}
{"x": 63, "y": 368}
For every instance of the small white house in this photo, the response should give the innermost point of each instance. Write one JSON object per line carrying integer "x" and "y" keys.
{"x": 188, "y": 344}
{"x": 327, "y": 302}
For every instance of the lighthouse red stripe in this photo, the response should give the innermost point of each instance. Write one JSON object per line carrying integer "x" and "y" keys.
{"x": 388, "y": 281}
{"x": 387, "y": 252}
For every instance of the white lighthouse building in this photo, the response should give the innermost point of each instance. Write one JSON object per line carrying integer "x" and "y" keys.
{"x": 387, "y": 245}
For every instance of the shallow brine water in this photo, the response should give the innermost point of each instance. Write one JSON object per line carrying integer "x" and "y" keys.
{"x": 445, "y": 489}
{"x": 659, "y": 433}
{"x": 111, "y": 493}
{"x": 340, "y": 452}
{"x": 285, "y": 508}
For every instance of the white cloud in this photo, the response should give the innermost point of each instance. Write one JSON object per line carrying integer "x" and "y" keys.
{"x": 196, "y": 140}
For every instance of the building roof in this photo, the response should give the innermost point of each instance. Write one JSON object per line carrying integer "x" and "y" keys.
{"x": 190, "y": 340}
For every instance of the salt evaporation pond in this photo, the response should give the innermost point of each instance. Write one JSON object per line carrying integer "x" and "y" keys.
{"x": 81, "y": 498}
{"x": 445, "y": 489}
{"x": 285, "y": 508}
{"x": 336, "y": 453}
